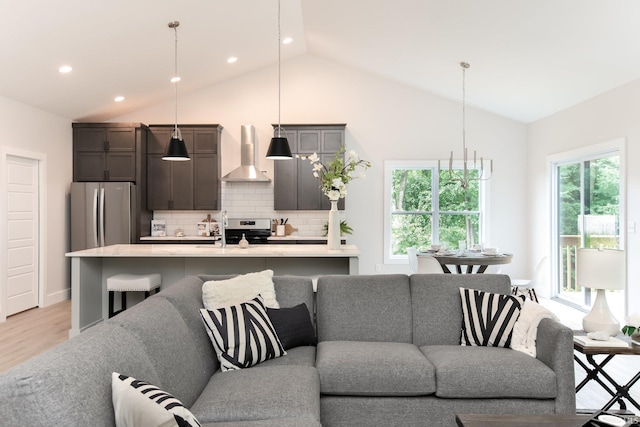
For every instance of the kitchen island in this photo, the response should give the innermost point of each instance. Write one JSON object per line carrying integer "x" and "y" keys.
{"x": 90, "y": 268}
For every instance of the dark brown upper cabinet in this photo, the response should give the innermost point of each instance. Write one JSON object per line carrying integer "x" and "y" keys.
{"x": 187, "y": 185}
{"x": 109, "y": 151}
{"x": 295, "y": 187}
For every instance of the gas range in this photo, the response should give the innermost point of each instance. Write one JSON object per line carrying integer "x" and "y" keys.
{"x": 255, "y": 230}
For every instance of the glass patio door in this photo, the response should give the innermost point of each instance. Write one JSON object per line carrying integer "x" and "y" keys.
{"x": 588, "y": 213}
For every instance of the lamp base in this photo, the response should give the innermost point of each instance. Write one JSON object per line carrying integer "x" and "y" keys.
{"x": 600, "y": 317}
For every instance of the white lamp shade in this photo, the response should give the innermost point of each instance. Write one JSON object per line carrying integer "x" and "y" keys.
{"x": 600, "y": 269}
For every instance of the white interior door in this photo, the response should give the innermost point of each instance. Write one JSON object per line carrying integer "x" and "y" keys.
{"x": 22, "y": 234}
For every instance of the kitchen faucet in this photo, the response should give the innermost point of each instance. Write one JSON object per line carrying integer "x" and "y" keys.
{"x": 223, "y": 227}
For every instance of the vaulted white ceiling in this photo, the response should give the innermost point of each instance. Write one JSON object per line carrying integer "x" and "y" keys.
{"x": 528, "y": 59}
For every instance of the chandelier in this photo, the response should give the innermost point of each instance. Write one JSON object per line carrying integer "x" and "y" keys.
{"x": 464, "y": 178}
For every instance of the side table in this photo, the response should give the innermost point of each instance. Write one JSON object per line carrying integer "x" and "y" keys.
{"x": 595, "y": 370}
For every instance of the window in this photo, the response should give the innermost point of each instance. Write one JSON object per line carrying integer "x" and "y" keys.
{"x": 423, "y": 207}
{"x": 587, "y": 212}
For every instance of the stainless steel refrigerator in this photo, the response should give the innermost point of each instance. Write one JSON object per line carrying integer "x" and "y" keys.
{"x": 102, "y": 214}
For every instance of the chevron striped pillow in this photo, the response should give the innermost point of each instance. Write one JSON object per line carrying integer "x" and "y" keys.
{"x": 488, "y": 318}
{"x": 242, "y": 334}
{"x": 138, "y": 403}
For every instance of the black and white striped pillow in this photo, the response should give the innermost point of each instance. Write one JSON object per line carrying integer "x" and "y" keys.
{"x": 139, "y": 404}
{"x": 242, "y": 334}
{"x": 488, "y": 318}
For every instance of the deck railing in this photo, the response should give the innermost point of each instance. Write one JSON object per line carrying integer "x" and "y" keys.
{"x": 567, "y": 254}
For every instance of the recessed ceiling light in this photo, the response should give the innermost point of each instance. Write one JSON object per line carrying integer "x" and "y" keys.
{"x": 232, "y": 59}
{"x": 287, "y": 40}
{"x": 119, "y": 98}
{"x": 65, "y": 69}
{"x": 175, "y": 79}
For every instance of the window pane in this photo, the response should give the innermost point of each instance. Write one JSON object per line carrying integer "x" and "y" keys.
{"x": 409, "y": 231}
{"x": 453, "y": 228}
{"x": 453, "y": 197}
{"x": 411, "y": 190}
{"x": 588, "y": 215}
{"x": 418, "y": 199}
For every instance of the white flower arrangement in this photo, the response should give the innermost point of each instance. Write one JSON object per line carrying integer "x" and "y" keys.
{"x": 335, "y": 176}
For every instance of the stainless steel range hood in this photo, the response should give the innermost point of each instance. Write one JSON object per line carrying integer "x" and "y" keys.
{"x": 247, "y": 171}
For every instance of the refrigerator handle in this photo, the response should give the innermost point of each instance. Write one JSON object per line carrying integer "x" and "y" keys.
{"x": 101, "y": 222}
{"x": 94, "y": 229}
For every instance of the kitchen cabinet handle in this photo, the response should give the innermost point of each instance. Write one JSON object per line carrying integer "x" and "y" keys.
{"x": 105, "y": 146}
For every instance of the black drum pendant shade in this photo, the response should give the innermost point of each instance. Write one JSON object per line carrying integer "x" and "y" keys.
{"x": 176, "y": 151}
{"x": 279, "y": 149}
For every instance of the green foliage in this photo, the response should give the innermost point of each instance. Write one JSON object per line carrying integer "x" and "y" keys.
{"x": 413, "y": 209}
{"x": 344, "y": 228}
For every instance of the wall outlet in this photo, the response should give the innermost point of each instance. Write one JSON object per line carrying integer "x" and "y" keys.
{"x": 631, "y": 227}
{"x": 378, "y": 268}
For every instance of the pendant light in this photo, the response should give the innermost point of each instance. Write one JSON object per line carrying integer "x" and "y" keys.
{"x": 279, "y": 146}
{"x": 465, "y": 180}
{"x": 177, "y": 150}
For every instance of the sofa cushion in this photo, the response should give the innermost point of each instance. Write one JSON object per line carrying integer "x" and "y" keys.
{"x": 137, "y": 403}
{"x": 279, "y": 422}
{"x": 161, "y": 330}
{"x": 186, "y": 297}
{"x": 293, "y": 325}
{"x": 303, "y": 356}
{"x": 488, "y": 318}
{"x": 260, "y": 394}
{"x": 435, "y": 300}
{"x": 223, "y": 293}
{"x": 70, "y": 385}
{"x": 374, "y": 369}
{"x": 489, "y": 372}
{"x": 364, "y": 308}
{"x": 242, "y": 334}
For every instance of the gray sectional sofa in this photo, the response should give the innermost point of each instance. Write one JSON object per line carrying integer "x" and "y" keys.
{"x": 388, "y": 354}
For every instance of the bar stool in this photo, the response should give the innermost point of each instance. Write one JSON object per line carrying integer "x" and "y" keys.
{"x": 131, "y": 283}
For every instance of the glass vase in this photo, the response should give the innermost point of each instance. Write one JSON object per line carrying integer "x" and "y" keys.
{"x": 333, "y": 230}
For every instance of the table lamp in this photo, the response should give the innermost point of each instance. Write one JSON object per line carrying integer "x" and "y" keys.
{"x": 600, "y": 269}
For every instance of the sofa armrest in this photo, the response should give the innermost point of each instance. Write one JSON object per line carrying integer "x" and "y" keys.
{"x": 554, "y": 347}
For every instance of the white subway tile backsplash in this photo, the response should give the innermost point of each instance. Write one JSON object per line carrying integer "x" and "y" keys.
{"x": 246, "y": 199}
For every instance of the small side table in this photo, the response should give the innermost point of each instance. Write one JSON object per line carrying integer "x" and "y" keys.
{"x": 596, "y": 370}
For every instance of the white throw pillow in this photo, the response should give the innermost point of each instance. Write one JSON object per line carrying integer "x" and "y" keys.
{"x": 139, "y": 404}
{"x": 223, "y": 293}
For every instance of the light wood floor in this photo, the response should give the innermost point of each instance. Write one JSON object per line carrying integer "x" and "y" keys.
{"x": 29, "y": 333}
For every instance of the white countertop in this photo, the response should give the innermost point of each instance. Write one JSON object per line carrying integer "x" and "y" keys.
{"x": 200, "y": 238}
{"x": 195, "y": 238}
{"x": 214, "y": 250}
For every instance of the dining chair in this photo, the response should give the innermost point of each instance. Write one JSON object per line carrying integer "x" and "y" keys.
{"x": 528, "y": 286}
{"x": 412, "y": 253}
{"x": 429, "y": 265}
{"x": 493, "y": 269}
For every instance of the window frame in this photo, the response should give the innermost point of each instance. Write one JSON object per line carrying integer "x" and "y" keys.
{"x": 390, "y": 165}
{"x": 580, "y": 155}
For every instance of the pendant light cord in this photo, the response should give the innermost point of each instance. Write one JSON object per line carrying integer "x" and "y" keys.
{"x": 175, "y": 76}
{"x": 464, "y": 66}
{"x": 279, "y": 128}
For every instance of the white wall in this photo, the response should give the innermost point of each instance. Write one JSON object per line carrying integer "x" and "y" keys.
{"x": 604, "y": 118}
{"x": 385, "y": 120}
{"x": 26, "y": 128}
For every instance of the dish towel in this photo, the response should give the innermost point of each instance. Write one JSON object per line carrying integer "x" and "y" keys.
{"x": 525, "y": 330}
